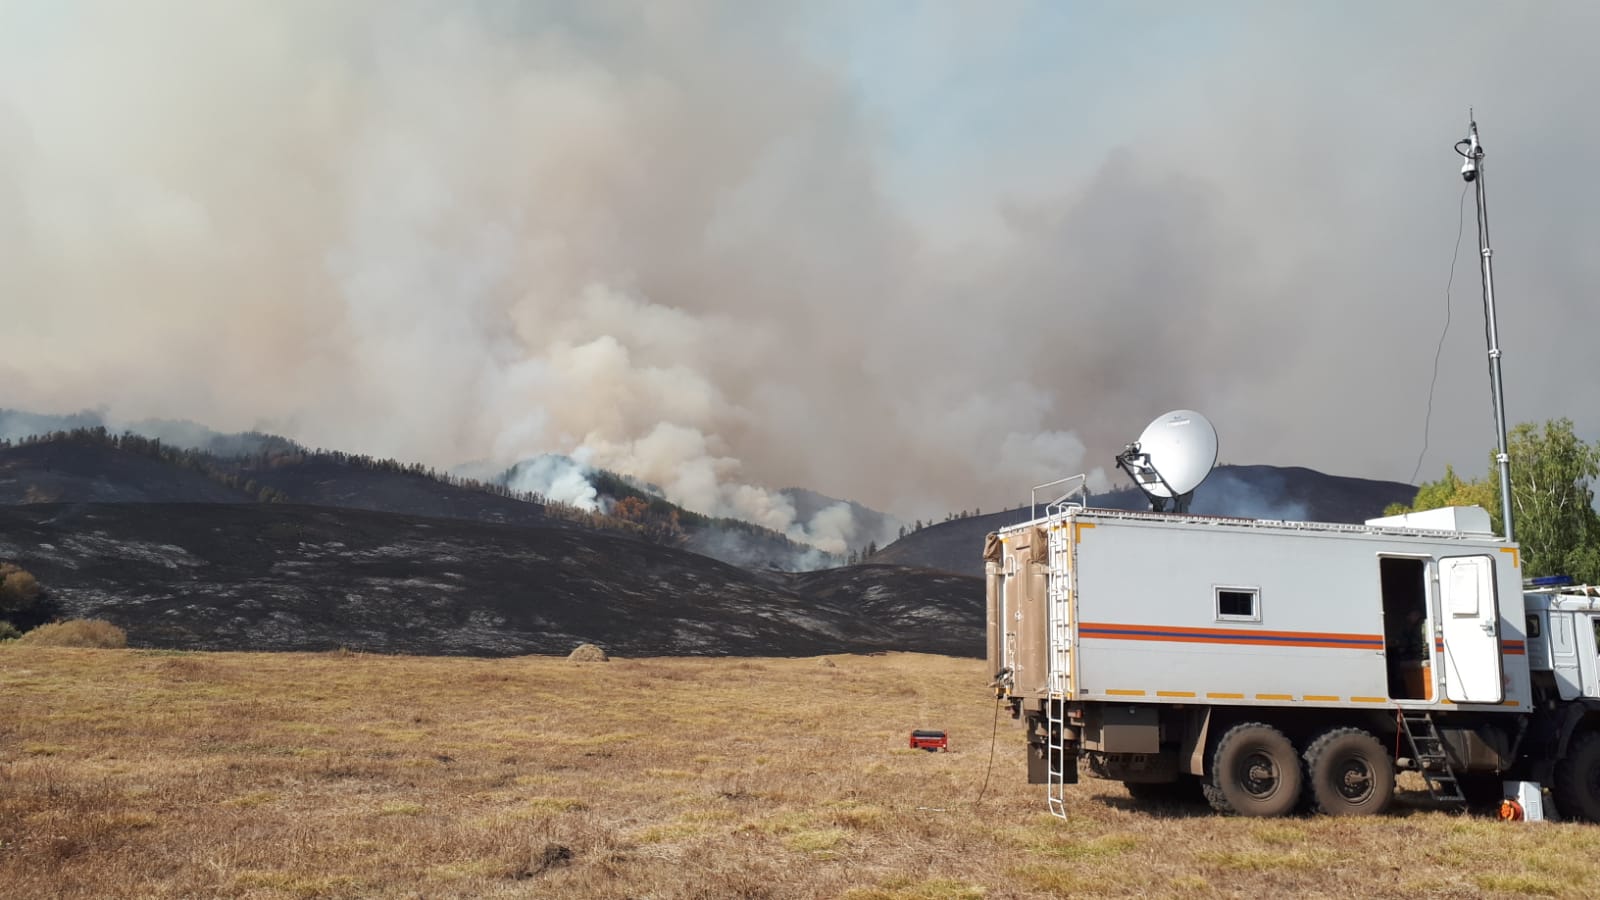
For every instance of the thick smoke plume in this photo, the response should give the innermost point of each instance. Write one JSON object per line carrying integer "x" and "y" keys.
{"x": 559, "y": 478}
{"x": 701, "y": 245}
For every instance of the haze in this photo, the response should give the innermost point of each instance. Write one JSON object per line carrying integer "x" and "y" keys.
{"x": 919, "y": 256}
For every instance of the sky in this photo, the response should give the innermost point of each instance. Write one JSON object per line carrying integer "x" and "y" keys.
{"x": 922, "y": 256}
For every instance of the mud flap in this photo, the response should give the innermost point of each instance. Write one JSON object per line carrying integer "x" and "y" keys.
{"x": 1192, "y": 755}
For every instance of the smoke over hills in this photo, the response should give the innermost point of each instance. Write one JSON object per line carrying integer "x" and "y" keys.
{"x": 679, "y": 242}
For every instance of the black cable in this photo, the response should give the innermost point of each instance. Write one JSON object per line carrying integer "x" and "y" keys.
{"x": 1427, "y": 419}
{"x": 993, "y": 738}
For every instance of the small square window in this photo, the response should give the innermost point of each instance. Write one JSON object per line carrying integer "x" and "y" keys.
{"x": 1239, "y": 604}
{"x": 1533, "y": 626}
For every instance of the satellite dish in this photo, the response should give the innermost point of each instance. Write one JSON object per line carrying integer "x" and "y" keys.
{"x": 1170, "y": 459}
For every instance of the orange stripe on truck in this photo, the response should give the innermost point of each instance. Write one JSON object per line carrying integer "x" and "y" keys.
{"x": 1125, "y": 632}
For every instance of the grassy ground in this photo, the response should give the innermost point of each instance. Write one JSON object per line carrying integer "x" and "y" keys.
{"x": 142, "y": 773}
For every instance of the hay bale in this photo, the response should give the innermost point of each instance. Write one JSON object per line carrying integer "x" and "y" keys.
{"x": 588, "y": 653}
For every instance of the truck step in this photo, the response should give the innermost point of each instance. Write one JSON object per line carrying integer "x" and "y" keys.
{"x": 1428, "y": 754}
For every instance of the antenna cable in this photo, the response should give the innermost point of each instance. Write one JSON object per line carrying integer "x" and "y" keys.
{"x": 1427, "y": 419}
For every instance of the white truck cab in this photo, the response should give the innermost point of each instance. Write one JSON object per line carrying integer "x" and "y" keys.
{"x": 1563, "y": 649}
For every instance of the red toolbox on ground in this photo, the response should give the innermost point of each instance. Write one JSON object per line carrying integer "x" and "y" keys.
{"x": 930, "y": 741}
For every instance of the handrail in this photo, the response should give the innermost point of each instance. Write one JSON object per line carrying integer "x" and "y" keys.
{"x": 1033, "y": 496}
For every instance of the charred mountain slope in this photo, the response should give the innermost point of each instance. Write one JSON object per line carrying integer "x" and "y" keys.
{"x": 1261, "y": 492}
{"x": 291, "y": 577}
{"x": 86, "y": 473}
{"x": 91, "y": 465}
{"x": 936, "y": 612}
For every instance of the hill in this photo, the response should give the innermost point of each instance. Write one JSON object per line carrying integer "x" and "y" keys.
{"x": 290, "y": 577}
{"x": 79, "y": 472}
{"x": 93, "y": 465}
{"x": 1258, "y": 492}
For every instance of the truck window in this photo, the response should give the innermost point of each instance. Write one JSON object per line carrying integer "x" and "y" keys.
{"x": 1237, "y": 604}
{"x": 1533, "y": 626}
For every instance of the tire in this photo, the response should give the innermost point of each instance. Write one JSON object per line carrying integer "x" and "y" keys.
{"x": 1577, "y": 787}
{"x": 1348, "y": 773}
{"x": 1254, "y": 772}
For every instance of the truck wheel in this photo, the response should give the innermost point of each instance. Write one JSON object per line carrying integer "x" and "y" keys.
{"x": 1349, "y": 774}
{"x": 1577, "y": 787}
{"x": 1254, "y": 772}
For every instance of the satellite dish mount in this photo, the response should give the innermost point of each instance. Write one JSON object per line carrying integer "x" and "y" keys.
{"x": 1169, "y": 460}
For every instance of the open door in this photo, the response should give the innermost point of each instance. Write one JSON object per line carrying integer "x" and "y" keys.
{"x": 1470, "y": 620}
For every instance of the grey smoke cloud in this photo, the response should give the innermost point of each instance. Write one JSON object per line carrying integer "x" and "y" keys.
{"x": 675, "y": 240}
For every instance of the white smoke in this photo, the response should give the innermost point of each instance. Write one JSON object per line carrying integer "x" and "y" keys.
{"x": 562, "y": 479}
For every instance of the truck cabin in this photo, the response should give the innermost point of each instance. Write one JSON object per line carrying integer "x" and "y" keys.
{"x": 1563, "y": 626}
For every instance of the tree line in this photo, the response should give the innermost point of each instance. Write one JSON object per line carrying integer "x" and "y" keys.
{"x": 1552, "y": 499}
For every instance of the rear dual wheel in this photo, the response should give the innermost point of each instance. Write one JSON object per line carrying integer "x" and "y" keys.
{"x": 1255, "y": 771}
{"x": 1348, "y": 773}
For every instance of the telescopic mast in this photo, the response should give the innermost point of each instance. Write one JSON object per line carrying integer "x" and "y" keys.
{"x": 1472, "y": 170}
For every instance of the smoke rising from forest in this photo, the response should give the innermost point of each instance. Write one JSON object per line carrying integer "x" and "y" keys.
{"x": 679, "y": 242}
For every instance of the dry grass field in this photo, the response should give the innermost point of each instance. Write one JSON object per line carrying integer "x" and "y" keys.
{"x": 158, "y": 774}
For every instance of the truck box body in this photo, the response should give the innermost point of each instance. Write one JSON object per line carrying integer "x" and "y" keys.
{"x": 1251, "y": 659}
{"x": 1163, "y": 608}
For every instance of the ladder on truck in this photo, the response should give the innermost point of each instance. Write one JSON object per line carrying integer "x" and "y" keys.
{"x": 1058, "y": 595}
{"x": 1433, "y": 762}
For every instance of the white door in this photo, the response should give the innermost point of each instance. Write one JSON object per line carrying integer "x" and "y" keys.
{"x": 1589, "y": 652}
{"x": 1564, "y": 655}
{"x": 1470, "y": 621}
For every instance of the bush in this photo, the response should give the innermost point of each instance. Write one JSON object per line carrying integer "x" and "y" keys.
{"x": 588, "y": 653}
{"x": 8, "y": 631}
{"x": 23, "y": 602}
{"x": 77, "y": 633}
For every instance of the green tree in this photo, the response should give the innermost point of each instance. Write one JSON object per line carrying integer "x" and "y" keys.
{"x": 1551, "y": 499}
{"x": 1453, "y": 490}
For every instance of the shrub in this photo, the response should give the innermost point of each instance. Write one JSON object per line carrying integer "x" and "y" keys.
{"x": 77, "y": 633}
{"x": 8, "y": 631}
{"x": 23, "y": 602}
{"x": 588, "y": 653}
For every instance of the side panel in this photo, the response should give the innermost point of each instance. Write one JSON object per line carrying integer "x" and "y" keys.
{"x": 1470, "y": 626}
{"x": 1025, "y": 564}
{"x": 1225, "y": 613}
{"x": 1165, "y": 614}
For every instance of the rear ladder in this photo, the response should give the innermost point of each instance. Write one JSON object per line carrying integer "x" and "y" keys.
{"x": 1433, "y": 763}
{"x": 1058, "y": 593}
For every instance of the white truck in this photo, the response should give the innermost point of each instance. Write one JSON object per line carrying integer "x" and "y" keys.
{"x": 1271, "y": 663}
